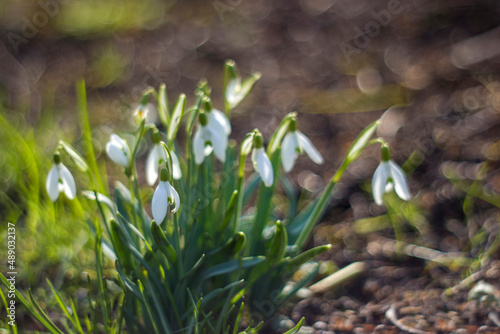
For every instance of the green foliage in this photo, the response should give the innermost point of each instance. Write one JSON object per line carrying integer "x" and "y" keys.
{"x": 59, "y": 229}
{"x": 188, "y": 271}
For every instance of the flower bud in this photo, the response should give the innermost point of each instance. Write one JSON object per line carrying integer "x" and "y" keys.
{"x": 57, "y": 158}
{"x": 203, "y": 118}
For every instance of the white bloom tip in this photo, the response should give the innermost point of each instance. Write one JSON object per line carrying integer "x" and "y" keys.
{"x": 263, "y": 166}
{"x": 388, "y": 176}
{"x": 60, "y": 180}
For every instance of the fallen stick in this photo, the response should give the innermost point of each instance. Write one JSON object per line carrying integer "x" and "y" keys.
{"x": 391, "y": 315}
{"x": 339, "y": 277}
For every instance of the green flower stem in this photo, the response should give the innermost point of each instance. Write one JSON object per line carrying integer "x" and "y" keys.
{"x": 396, "y": 225}
{"x": 239, "y": 203}
{"x": 239, "y": 187}
{"x": 177, "y": 237}
{"x": 318, "y": 211}
{"x": 244, "y": 151}
{"x": 361, "y": 142}
{"x": 205, "y": 212}
{"x": 191, "y": 166}
{"x": 81, "y": 96}
{"x": 321, "y": 205}
{"x": 99, "y": 207}
{"x": 264, "y": 207}
{"x": 105, "y": 307}
{"x": 131, "y": 173}
{"x": 147, "y": 307}
{"x": 173, "y": 305}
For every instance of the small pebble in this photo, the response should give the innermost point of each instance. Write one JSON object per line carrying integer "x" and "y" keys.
{"x": 461, "y": 331}
{"x": 320, "y": 325}
{"x": 306, "y": 330}
{"x": 358, "y": 330}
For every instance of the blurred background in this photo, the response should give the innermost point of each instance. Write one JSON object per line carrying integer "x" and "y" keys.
{"x": 340, "y": 64}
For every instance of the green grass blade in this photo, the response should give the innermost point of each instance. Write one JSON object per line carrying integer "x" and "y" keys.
{"x": 75, "y": 313}
{"x": 163, "y": 111}
{"x": 81, "y": 97}
{"x": 4, "y": 300}
{"x": 53, "y": 328}
{"x": 47, "y": 324}
{"x": 63, "y": 307}
{"x": 175, "y": 121}
{"x": 230, "y": 266}
{"x": 297, "y": 327}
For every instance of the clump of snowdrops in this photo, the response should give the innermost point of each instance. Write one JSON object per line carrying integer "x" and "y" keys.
{"x": 205, "y": 252}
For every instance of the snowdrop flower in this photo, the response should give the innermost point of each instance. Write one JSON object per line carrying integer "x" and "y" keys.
{"x": 156, "y": 158}
{"x": 208, "y": 138}
{"x": 235, "y": 90}
{"x": 261, "y": 162}
{"x": 164, "y": 196}
{"x": 143, "y": 110}
{"x": 234, "y": 93}
{"x": 217, "y": 120}
{"x": 60, "y": 180}
{"x": 388, "y": 175}
{"x": 118, "y": 151}
{"x": 294, "y": 143}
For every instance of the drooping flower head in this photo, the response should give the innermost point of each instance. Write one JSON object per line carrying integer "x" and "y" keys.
{"x": 164, "y": 196}
{"x": 294, "y": 143}
{"x": 260, "y": 160}
{"x": 387, "y": 176}
{"x": 216, "y": 118}
{"x": 60, "y": 180}
{"x": 118, "y": 151}
{"x": 142, "y": 111}
{"x": 236, "y": 89}
{"x": 233, "y": 92}
{"x": 158, "y": 157}
{"x": 208, "y": 138}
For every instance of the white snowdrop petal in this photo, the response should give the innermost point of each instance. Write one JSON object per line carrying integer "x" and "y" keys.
{"x": 379, "y": 182}
{"x": 118, "y": 150}
{"x": 233, "y": 88}
{"x": 208, "y": 150}
{"x": 159, "y": 204}
{"x": 217, "y": 116}
{"x": 121, "y": 143}
{"x": 198, "y": 146}
{"x": 214, "y": 125}
{"x": 400, "y": 183}
{"x": 108, "y": 252}
{"x": 219, "y": 143}
{"x": 152, "y": 166}
{"x": 116, "y": 154}
{"x": 289, "y": 151}
{"x": 52, "y": 183}
{"x": 68, "y": 181}
{"x": 254, "y": 159}
{"x": 176, "y": 166}
{"x": 306, "y": 144}
{"x": 175, "y": 196}
{"x": 264, "y": 167}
